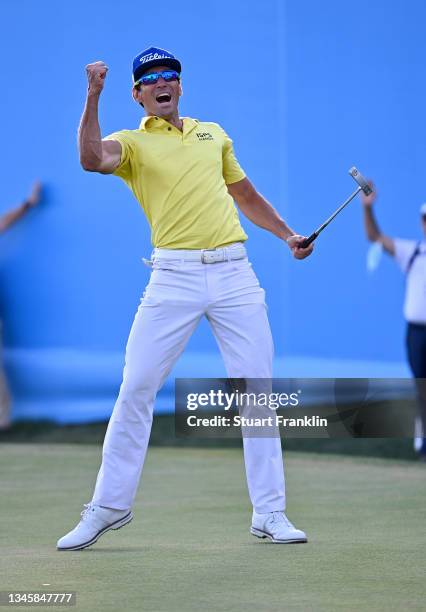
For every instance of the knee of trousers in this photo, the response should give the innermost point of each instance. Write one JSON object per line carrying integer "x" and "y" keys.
{"x": 135, "y": 401}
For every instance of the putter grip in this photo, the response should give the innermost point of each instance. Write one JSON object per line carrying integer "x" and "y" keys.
{"x": 308, "y": 241}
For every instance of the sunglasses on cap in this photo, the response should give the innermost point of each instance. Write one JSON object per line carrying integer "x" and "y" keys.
{"x": 152, "y": 78}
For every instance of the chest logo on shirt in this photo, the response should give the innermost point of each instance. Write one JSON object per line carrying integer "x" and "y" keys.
{"x": 204, "y": 136}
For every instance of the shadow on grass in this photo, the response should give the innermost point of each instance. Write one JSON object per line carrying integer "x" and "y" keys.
{"x": 126, "y": 550}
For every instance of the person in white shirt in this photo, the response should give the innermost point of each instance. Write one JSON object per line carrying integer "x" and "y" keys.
{"x": 411, "y": 258}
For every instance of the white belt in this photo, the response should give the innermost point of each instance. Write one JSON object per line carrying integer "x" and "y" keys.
{"x": 233, "y": 251}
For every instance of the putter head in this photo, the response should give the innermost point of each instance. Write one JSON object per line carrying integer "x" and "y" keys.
{"x": 357, "y": 176}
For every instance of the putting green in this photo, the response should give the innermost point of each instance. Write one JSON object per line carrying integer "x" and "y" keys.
{"x": 188, "y": 547}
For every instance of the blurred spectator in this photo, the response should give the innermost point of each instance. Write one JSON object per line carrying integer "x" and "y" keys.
{"x": 411, "y": 257}
{"x": 6, "y": 221}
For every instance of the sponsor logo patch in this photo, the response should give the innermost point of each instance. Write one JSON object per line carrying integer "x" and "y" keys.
{"x": 153, "y": 56}
{"x": 204, "y": 136}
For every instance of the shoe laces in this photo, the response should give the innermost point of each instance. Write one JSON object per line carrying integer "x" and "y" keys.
{"x": 280, "y": 517}
{"x": 87, "y": 508}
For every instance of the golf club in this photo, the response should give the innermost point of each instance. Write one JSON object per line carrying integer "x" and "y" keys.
{"x": 362, "y": 186}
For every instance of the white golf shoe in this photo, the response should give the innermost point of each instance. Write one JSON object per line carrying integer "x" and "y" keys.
{"x": 95, "y": 521}
{"x": 276, "y": 527}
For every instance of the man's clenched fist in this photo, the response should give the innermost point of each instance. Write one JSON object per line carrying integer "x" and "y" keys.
{"x": 294, "y": 243}
{"x": 96, "y": 74}
{"x": 369, "y": 200}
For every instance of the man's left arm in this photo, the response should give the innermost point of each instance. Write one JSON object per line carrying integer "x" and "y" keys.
{"x": 256, "y": 208}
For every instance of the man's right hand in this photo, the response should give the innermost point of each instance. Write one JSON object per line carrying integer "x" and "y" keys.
{"x": 368, "y": 200}
{"x": 96, "y": 73}
{"x": 96, "y": 155}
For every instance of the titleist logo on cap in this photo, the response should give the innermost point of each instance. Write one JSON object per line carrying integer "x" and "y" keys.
{"x": 152, "y": 56}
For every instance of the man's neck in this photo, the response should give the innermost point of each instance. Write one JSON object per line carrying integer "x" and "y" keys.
{"x": 176, "y": 121}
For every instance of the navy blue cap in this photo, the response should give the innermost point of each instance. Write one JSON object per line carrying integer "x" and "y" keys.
{"x": 153, "y": 57}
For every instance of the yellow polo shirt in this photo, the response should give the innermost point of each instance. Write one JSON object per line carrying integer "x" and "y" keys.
{"x": 179, "y": 179}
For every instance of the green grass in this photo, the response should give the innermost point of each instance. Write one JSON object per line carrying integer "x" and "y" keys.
{"x": 163, "y": 434}
{"x": 188, "y": 547}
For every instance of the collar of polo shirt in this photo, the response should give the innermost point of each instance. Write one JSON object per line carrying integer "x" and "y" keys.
{"x": 152, "y": 122}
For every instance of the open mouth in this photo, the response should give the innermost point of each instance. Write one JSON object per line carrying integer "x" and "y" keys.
{"x": 163, "y": 98}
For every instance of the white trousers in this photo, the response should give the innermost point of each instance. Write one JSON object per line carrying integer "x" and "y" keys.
{"x": 178, "y": 295}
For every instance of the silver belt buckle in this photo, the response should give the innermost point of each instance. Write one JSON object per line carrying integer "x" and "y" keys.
{"x": 238, "y": 255}
{"x": 209, "y": 256}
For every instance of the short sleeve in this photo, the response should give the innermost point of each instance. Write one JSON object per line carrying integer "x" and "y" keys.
{"x": 127, "y": 152}
{"x": 404, "y": 250}
{"x": 232, "y": 171}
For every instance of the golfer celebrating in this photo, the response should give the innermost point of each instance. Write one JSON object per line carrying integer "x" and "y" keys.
{"x": 185, "y": 176}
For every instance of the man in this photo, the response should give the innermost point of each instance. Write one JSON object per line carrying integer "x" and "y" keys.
{"x": 411, "y": 257}
{"x": 185, "y": 176}
{"x": 6, "y": 221}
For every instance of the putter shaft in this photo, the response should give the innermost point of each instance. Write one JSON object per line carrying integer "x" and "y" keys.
{"x": 316, "y": 233}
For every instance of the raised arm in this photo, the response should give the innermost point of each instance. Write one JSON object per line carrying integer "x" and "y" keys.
{"x": 96, "y": 155}
{"x": 372, "y": 229}
{"x": 254, "y": 206}
{"x": 10, "y": 217}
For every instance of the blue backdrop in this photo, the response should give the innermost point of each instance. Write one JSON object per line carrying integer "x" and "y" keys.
{"x": 306, "y": 89}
